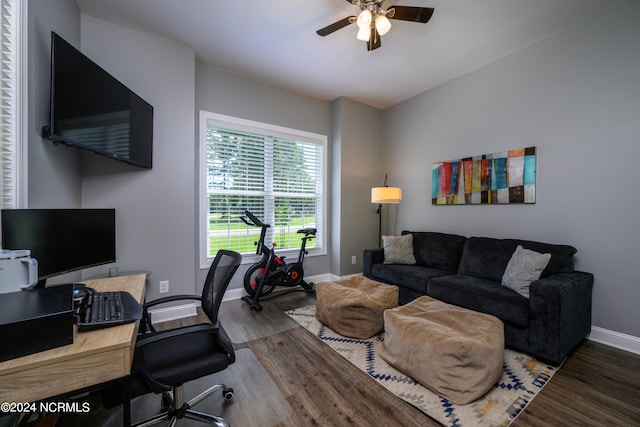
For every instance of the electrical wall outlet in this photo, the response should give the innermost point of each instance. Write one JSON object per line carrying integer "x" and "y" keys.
{"x": 164, "y": 286}
{"x": 353, "y": 259}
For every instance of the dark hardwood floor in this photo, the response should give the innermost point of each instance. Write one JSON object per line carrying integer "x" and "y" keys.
{"x": 597, "y": 385}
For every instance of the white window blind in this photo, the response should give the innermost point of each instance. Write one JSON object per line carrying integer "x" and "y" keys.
{"x": 10, "y": 93}
{"x": 275, "y": 173}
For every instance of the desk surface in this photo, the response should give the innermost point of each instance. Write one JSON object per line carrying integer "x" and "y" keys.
{"x": 94, "y": 357}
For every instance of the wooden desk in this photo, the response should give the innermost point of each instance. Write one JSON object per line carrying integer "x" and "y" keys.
{"x": 93, "y": 358}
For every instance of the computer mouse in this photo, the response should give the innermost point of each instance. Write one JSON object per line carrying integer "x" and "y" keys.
{"x": 80, "y": 290}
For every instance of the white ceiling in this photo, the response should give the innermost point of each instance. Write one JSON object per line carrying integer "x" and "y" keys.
{"x": 275, "y": 41}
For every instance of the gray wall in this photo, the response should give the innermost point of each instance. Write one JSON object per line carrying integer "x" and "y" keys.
{"x": 54, "y": 176}
{"x": 576, "y": 97}
{"x": 155, "y": 215}
{"x": 357, "y": 160}
{"x": 155, "y": 209}
{"x": 221, "y": 92}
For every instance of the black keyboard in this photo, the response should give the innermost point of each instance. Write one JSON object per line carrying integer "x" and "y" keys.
{"x": 103, "y": 309}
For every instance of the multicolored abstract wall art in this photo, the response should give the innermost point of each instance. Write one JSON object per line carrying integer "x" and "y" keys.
{"x": 505, "y": 177}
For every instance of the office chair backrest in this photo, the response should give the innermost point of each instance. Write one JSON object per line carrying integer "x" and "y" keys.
{"x": 222, "y": 269}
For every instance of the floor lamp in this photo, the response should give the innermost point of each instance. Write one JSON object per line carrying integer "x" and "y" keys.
{"x": 382, "y": 196}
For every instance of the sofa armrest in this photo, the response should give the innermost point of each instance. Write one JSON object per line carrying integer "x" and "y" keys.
{"x": 560, "y": 314}
{"x": 370, "y": 257}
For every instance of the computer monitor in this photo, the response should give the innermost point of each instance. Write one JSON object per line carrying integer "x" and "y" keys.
{"x": 61, "y": 240}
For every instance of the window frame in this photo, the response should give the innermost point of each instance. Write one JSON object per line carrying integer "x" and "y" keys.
{"x": 14, "y": 156}
{"x": 222, "y": 120}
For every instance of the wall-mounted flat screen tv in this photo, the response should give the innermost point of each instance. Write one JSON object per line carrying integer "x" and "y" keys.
{"x": 92, "y": 110}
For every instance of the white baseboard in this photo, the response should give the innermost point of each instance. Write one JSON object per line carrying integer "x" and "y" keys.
{"x": 187, "y": 310}
{"x": 175, "y": 312}
{"x": 232, "y": 294}
{"x": 615, "y": 339}
{"x": 604, "y": 336}
{"x": 238, "y": 293}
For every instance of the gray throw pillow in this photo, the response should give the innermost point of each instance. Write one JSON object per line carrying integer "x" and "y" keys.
{"x": 398, "y": 249}
{"x": 524, "y": 267}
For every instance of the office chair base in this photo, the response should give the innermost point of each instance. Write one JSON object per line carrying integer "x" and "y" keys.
{"x": 174, "y": 408}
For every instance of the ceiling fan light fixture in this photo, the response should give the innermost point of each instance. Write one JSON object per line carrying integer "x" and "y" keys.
{"x": 364, "y": 19}
{"x": 373, "y": 21}
{"x": 364, "y": 34}
{"x": 383, "y": 25}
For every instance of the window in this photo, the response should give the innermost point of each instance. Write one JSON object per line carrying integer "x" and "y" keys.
{"x": 13, "y": 111}
{"x": 276, "y": 173}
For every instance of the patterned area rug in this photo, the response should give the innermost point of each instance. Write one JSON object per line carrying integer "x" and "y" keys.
{"x": 522, "y": 379}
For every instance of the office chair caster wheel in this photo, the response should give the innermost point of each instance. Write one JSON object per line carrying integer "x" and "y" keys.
{"x": 227, "y": 392}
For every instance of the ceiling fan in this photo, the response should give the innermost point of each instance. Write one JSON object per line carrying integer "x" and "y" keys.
{"x": 373, "y": 21}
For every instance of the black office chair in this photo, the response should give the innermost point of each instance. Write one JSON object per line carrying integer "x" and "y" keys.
{"x": 165, "y": 360}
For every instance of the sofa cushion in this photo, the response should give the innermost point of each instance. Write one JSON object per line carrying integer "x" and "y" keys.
{"x": 482, "y": 295}
{"x": 413, "y": 277}
{"x": 487, "y": 258}
{"x": 524, "y": 267}
{"x": 561, "y": 255}
{"x": 398, "y": 249}
{"x": 441, "y": 251}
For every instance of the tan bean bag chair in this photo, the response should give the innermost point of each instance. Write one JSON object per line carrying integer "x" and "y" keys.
{"x": 454, "y": 352}
{"x": 353, "y": 307}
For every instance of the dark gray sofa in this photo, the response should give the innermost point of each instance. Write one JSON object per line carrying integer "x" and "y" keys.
{"x": 467, "y": 272}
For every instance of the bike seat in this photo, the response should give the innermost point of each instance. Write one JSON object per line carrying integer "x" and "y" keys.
{"x": 307, "y": 231}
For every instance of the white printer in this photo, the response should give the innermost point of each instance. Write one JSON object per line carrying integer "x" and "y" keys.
{"x": 17, "y": 270}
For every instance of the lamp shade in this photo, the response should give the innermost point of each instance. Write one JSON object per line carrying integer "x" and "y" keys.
{"x": 386, "y": 195}
{"x": 364, "y": 34}
{"x": 364, "y": 19}
{"x": 382, "y": 25}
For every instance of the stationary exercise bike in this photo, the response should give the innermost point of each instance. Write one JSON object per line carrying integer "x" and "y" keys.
{"x": 272, "y": 270}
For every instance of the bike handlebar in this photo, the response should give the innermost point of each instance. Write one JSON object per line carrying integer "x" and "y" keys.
{"x": 253, "y": 220}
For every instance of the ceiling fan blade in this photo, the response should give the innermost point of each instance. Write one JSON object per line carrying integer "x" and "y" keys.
{"x": 411, "y": 13}
{"x": 336, "y": 26}
{"x": 374, "y": 40}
